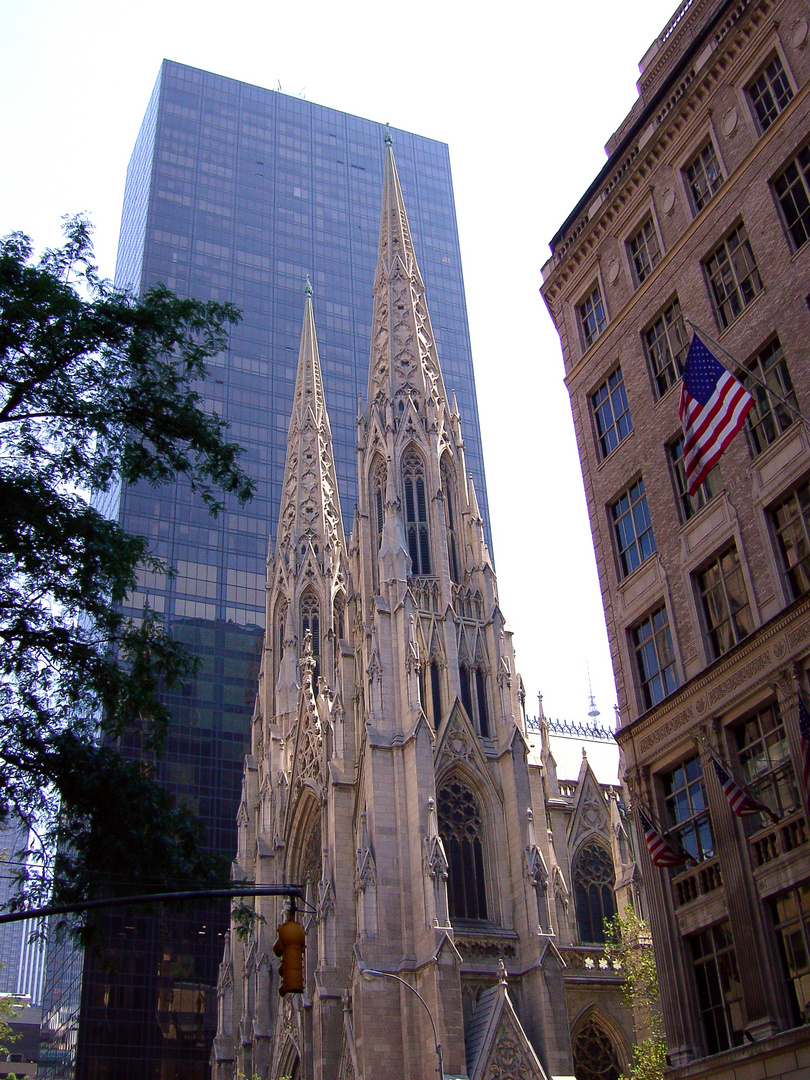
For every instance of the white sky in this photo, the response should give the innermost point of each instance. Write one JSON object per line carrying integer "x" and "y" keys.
{"x": 526, "y": 95}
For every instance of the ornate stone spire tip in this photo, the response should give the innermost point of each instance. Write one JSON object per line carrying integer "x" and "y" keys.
{"x": 308, "y": 290}
{"x": 387, "y": 137}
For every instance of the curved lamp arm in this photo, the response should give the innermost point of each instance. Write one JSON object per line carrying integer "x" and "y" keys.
{"x": 373, "y": 973}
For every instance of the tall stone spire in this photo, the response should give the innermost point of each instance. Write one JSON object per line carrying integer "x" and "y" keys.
{"x": 310, "y": 525}
{"x": 404, "y": 366}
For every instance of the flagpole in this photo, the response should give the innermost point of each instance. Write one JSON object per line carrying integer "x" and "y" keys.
{"x": 674, "y": 844}
{"x": 718, "y": 760}
{"x": 748, "y": 374}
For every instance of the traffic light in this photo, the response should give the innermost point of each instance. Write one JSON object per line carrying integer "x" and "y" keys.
{"x": 290, "y": 946}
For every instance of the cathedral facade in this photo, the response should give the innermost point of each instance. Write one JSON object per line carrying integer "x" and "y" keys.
{"x": 455, "y": 887}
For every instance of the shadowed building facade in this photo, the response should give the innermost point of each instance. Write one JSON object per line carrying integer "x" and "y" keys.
{"x": 701, "y": 219}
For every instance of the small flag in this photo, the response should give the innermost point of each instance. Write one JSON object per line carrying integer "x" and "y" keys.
{"x": 662, "y": 852}
{"x": 804, "y": 731}
{"x": 743, "y": 804}
{"x": 713, "y": 408}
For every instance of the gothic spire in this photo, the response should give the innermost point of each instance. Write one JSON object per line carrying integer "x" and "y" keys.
{"x": 310, "y": 524}
{"x": 404, "y": 365}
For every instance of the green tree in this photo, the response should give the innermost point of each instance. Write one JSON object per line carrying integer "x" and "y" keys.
{"x": 629, "y": 948}
{"x": 8, "y": 1036}
{"x": 96, "y": 386}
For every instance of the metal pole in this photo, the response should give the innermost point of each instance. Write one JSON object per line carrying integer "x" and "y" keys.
{"x": 154, "y": 898}
{"x": 388, "y": 975}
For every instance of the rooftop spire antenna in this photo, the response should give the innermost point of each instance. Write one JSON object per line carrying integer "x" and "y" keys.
{"x": 593, "y": 712}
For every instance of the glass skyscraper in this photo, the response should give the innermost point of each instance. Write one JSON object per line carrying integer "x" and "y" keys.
{"x": 238, "y": 193}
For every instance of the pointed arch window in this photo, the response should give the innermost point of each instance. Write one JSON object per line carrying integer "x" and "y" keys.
{"x": 461, "y": 831}
{"x": 594, "y": 878}
{"x": 279, "y": 624}
{"x": 436, "y": 692}
{"x": 450, "y": 521}
{"x": 311, "y": 620}
{"x": 473, "y": 684}
{"x": 595, "y": 1056}
{"x": 377, "y": 491}
{"x": 416, "y": 519}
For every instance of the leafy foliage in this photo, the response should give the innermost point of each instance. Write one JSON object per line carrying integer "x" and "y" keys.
{"x": 629, "y": 947}
{"x": 96, "y": 386}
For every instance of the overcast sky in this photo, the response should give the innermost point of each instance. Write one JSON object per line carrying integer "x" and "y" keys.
{"x": 526, "y": 95}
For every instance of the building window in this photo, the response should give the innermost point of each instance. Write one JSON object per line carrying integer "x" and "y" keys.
{"x": 791, "y": 524}
{"x": 724, "y": 601}
{"x": 611, "y": 413}
{"x": 714, "y": 963}
{"x": 594, "y": 879}
{"x": 732, "y": 274}
{"x": 791, "y": 916}
{"x": 769, "y": 93}
{"x": 703, "y": 177}
{"x": 461, "y": 831}
{"x": 632, "y": 528}
{"x": 311, "y": 620}
{"x": 645, "y": 251}
{"x": 449, "y": 494}
{"x": 655, "y": 659}
{"x": 378, "y": 503}
{"x": 474, "y": 696}
{"x": 686, "y": 809}
{"x": 688, "y": 505}
{"x": 770, "y": 386}
{"x": 792, "y": 191}
{"x": 764, "y": 756}
{"x": 436, "y": 692}
{"x": 416, "y": 522}
{"x": 592, "y": 318}
{"x": 666, "y": 344}
{"x": 594, "y": 1054}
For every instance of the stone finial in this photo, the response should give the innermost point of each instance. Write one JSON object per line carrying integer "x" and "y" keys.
{"x": 387, "y": 137}
{"x": 308, "y": 287}
{"x": 502, "y": 972}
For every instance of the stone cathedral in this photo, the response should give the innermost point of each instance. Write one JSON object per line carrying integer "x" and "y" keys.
{"x": 393, "y": 772}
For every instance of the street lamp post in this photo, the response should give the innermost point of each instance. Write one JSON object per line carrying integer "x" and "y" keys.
{"x": 368, "y": 972}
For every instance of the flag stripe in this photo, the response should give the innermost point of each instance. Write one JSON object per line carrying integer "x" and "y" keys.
{"x": 662, "y": 853}
{"x": 713, "y": 408}
{"x": 743, "y": 804}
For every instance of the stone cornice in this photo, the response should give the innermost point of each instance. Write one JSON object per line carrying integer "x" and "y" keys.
{"x": 724, "y": 682}
{"x": 647, "y": 139}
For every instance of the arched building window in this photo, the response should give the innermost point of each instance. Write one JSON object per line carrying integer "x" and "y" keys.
{"x": 473, "y": 683}
{"x": 594, "y": 1054}
{"x": 311, "y": 620}
{"x": 416, "y": 519}
{"x": 461, "y": 831}
{"x": 450, "y": 521}
{"x": 377, "y": 499}
{"x": 436, "y": 692}
{"x": 594, "y": 878}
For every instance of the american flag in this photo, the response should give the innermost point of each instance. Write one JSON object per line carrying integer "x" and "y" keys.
{"x": 743, "y": 804}
{"x": 661, "y": 851}
{"x": 713, "y": 408}
{"x": 804, "y": 731}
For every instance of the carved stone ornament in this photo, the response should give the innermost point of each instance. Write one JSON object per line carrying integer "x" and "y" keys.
{"x": 366, "y": 870}
{"x": 435, "y": 856}
{"x": 457, "y": 745}
{"x": 508, "y": 1062}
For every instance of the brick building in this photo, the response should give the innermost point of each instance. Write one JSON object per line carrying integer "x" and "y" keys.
{"x": 701, "y": 218}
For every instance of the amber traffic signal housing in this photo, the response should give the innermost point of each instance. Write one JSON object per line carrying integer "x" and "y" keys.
{"x": 290, "y": 946}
